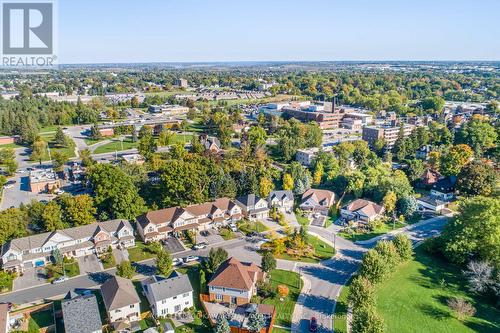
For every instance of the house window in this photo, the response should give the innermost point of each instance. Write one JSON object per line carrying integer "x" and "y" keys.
{"x": 185, "y": 295}
{"x": 132, "y": 306}
{"x": 177, "y": 308}
{"x": 233, "y": 300}
{"x": 218, "y": 297}
{"x": 175, "y": 297}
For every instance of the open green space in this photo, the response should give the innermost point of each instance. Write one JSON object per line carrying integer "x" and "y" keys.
{"x": 414, "y": 299}
{"x": 116, "y": 145}
{"x": 284, "y": 308}
{"x": 322, "y": 251}
{"x": 361, "y": 236}
{"x": 247, "y": 227}
{"x": 49, "y": 137}
{"x": 139, "y": 252}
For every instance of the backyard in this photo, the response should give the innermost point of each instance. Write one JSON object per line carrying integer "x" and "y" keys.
{"x": 284, "y": 309}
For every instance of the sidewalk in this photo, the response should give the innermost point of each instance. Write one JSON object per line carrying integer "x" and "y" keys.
{"x": 299, "y": 308}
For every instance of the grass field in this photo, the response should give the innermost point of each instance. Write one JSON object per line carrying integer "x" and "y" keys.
{"x": 116, "y": 145}
{"x": 139, "y": 252}
{"x": 385, "y": 228}
{"x": 415, "y": 298}
{"x": 322, "y": 251}
{"x": 49, "y": 137}
{"x": 284, "y": 309}
{"x": 303, "y": 220}
{"x": 247, "y": 227}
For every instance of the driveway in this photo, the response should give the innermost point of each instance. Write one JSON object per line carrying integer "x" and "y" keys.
{"x": 211, "y": 237}
{"x": 89, "y": 264}
{"x": 120, "y": 255}
{"x": 173, "y": 245}
{"x": 31, "y": 277}
{"x": 318, "y": 221}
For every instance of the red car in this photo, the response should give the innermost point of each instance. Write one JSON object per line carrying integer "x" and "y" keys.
{"x": 313, "y": 324}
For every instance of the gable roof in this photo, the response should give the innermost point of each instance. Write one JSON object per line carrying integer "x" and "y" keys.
{"x": 81, "y": 314}
{"x": 248, "y": 200}
{"x": 118, "y": 292}
{"x": 84, "y": 231}
{"x": 430, "y": 176}
{"x": 318, "y": 195}
{"x": 445, "y": 185}
{"x": 162, "y": 289}
{"x": 366, "y": 207}
{"x": 235, "y": 274}
{"x": 280, "y": 195}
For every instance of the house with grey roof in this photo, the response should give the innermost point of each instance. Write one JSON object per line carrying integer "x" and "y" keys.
{"x": 168, "y": 296}
{"x": 283, "y": 200}
{"x": 121, "y": 302}
{"x": 253, "y": 207}
{"x": 36, "y": 250}
{"x": 81, "y": 314}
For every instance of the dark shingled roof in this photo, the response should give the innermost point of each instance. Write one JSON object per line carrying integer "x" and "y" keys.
{"x": 81, "y": 314}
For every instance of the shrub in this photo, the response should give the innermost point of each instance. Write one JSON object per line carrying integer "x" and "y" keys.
{"x": 283, "y": 290}
{"x": 265, "y": 289}
{"x": 366, "y": 320}
{"x": 461, "y": 308}
{"x": 361, "y": 292}
{"x": 403, "y": 247}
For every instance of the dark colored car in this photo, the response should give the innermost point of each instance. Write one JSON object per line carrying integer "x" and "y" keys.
{"x": 313, "y": 324}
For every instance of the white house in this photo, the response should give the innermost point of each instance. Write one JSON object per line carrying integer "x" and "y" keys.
{"x": 253, "y": 207}
{"x": 168, "y": 296}
{"x": 283, "y": 200}
{"x": 428, "y": 203}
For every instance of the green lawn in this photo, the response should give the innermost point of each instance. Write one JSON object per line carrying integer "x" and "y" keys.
{"x": 72, "y": 269}
{"x": 284, "y": 309}
{"x": 322, "y": 251}
{"x": 139, "y": 252}
{"x": 385, "y": 228}
{"x": 303, "y": 220}
{"x": 116, "y": 145}
{"x": 108, "y": 260}
{"x": 49, "y": 137}
{"x": 280, "y": 330}
{"x": 247, "y": 227}
{"x": 415, "y": 298}
{"x": 39, "y": 320}
{"x": 226, "y": 233}
{"x": 340, "y": 315}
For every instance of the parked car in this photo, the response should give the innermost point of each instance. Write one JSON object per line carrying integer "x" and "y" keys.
{"x": 200, "y": 246}
{"x": 191, "y": 258}
{"x": 313, "y": 324}
{"x": 60, "y": 280}
{"x": 233, "y": 227}
{"x": 204, "y": 233}
{"x": 8, "y": 186}
{"x": 176, "y": 261}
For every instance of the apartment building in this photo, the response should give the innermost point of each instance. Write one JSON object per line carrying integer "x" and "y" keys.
{"x": 159, "y": 224}
{"x": 37, "y": 250}
{"x": 388, "y": 133}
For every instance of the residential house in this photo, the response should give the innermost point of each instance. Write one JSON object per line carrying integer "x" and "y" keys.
{"x": 253, "y": 207}
{"x": 362, "y": 210}
{"x": 81, "y": 313}
{"x": 429, "y": 203}
{"x": 4, "y": 318}
{"x": 168, "y": 296}
{"x": 210, "y": 143}
{"x": 430, "y": 177}
{"x": 36, "y": 250}
{"x": 283, "y": 200}
{"x": 159, "y": 224}
{"x": 121, "y": 301}
{"x": 316, "y": 200}
{"x": 235, "y": 282}
{"x": 444, "y": 188}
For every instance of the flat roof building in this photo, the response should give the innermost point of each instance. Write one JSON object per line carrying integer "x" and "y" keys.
{"x": 43, "y": 180}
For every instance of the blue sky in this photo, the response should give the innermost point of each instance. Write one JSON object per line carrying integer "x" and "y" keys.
{"x": 94, "y": 31}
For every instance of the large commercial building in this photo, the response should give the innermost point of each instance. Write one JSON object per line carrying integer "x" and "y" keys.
{"x": 388, "y": 133}
{"x": 324, "y": 113}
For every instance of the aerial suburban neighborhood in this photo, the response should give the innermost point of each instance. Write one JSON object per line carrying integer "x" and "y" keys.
{"x": 172, "y": 167}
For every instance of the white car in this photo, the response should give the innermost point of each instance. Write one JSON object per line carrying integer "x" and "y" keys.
{"x": 233, "y": 227}
{"x": 58, "y": 192}
{"x": 60, "y": 279}
{"x": 191, "y": 258}
{"x": 176, "y": 261}
{"x": 8, "y": 186}
{"x": 200, "y": 246}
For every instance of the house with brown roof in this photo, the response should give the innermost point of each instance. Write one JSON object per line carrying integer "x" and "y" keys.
{"x": 362, "y": 210}
{"x": 159, "y": 224}
{"x": 121, "y": 302}
{"x": 36, "y": 250}
{"x": 316, "y": 200}
{"x": 430, "y": 177}
{"x": 235, "y": 282}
